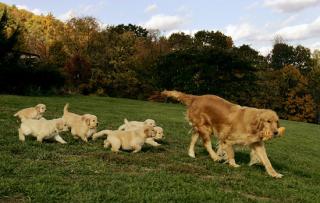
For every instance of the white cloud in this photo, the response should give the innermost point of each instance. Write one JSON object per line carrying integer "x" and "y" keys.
{"x": 151, "y": 8}
{"x": 290, "y": 5}
{"x": 165, "y": 22}
{"x": 68, "y": 15}
{"x": 301, "y": 32}
{"x": 35, "y": 11}
{"x": 241, "y": 31}
{"x": 264, "y": 50}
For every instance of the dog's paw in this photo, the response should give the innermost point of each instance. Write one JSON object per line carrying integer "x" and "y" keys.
{"x": 277, "y": 175}
{"x": 192, "y": 154}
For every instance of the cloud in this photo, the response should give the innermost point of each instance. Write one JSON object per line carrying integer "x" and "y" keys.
{"x": 301, "y": 32}
{"x": 83, "y": 10}
{"x": 165, "y": 22}
{"x": 241, "y": 31}
{"x": 35, "y": 11}
{"x": 68, "y": 15}
{"x": 151, "y": 8}
{"x": 290, "y": 5}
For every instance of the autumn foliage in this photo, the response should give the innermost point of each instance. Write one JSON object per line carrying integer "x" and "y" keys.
{"x": 81, "y": 57}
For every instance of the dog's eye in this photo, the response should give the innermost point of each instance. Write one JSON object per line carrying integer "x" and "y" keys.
{"x": 269, "y": 121}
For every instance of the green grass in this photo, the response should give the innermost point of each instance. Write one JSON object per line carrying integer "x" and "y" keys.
{"x": 79, "y": 172}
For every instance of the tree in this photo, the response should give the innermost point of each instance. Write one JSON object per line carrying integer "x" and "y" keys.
{"x": 213, "y": 39}
{"x": 180, "y": 40}
{"x": 7, "y": 40}
{"x": 137, "y": 30}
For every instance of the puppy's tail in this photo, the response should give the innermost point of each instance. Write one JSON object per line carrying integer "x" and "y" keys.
{"x": 126, "y": 121}
{"x": 186, "y": 99}
{"x": 100, "y": 134}
{"x": 65, "y": 109}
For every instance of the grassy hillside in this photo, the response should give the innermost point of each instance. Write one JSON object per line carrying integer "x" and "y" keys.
{"x": 79, "y": 172}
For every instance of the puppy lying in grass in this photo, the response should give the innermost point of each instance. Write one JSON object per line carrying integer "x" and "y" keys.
{"x": 82, "y": 126}
{"x": 126, "y": 140}
{"x": 31, "y": 113}
{"x": 132, "y": 125}
{"x": 42, "y": 129}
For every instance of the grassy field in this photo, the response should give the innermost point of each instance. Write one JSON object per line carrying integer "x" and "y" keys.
{"x": 79, "y": 172}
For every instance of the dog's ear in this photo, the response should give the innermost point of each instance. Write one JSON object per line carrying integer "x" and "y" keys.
{"x": 38, "y": 108}
{"x": 86, "y": 120}
{"x": 257, "y": 123}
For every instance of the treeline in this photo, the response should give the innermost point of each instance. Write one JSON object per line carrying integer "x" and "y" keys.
{"x": 42, "y": 55}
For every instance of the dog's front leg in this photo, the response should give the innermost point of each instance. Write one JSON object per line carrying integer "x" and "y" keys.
{"x": 230, "y": 154}
{"x": 151, "y": 142}
{"x": 59, "y": 139}
{"x": 254, "y": 159}
{"x": 137, "y": 148}
{"x": 22, "y": 138}
{"x": 260, "y": 150}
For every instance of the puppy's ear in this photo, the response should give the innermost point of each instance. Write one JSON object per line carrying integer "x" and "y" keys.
{"x": 86, "y": 120}
{"x": 38, "y": 108}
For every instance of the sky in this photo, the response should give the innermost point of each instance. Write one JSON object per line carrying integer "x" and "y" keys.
{"x": 255, "y": 23}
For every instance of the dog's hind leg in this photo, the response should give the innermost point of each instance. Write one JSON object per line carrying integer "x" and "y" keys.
{"x": 205, "y": 133}
{"x": 194, "y": 139}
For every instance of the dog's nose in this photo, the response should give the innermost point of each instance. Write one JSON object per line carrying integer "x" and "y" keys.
{"x": 275, "y": 133}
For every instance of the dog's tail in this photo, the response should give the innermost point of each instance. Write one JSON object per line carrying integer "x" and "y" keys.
{"x": 186, "y": 99}
{"x": 16, "y": 114}
{"x": 123, "y": 127}
{"x": 100, "y": 134}
{"x": 65, "y": 109}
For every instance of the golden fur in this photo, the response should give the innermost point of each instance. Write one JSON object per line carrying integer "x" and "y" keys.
{"x": 131, "y": 125}
{"x": 127, "y": 140}
{"x": 31, "y": 113}
{"x": 42, "y": 129}
{"x": 136, "y": 124}
{"x": 231, "y": 124}
{"x": 82, "y": 126}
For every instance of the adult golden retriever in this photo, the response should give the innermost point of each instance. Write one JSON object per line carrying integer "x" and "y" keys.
{"x": 231, "y": 124}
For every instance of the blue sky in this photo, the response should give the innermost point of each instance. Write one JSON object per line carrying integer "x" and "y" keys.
{"x": 247, "y": 21}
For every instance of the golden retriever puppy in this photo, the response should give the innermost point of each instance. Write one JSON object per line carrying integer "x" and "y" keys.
{"x": 126, "y": 140}
{"x": 232, "y": 124}
{"x": 32, "y": 112}
{"x": 42, "y": 129}
{"x": 136, "y": 124}
{"x": 131, "y": 125}
{"x": 82, "y": 126}
{"x": 159, "y": 135}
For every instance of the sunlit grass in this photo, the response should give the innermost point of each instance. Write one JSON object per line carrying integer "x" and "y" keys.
{"x": 79, "y": 172}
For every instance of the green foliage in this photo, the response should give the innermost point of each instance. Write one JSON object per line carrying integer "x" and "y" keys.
{"x": 130, "y": 61}
{"x": 208, "y": 70}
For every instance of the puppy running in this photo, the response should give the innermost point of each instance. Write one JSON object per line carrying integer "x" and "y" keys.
{"x": 127, "y": 140}
{"x": 42, "y": 129}
{"x": 82, "y": 126}
{"x": 31, "y": 113}
{"x": 136, "y": 124}
{"x": 131, "y": 125}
